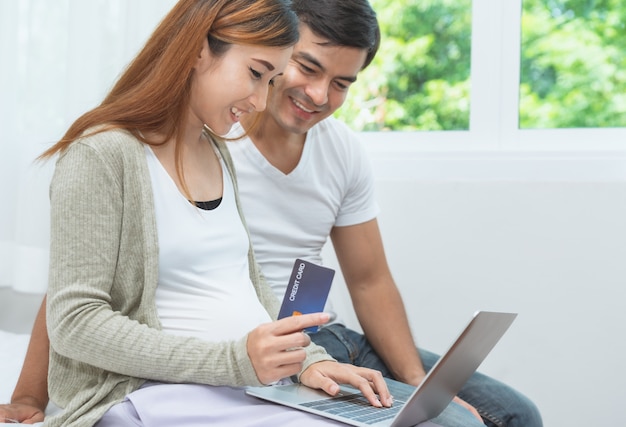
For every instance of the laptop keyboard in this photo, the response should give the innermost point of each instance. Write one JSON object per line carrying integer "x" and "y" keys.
{"x": 355, "y": 407}
{"x": 400, "y": 391}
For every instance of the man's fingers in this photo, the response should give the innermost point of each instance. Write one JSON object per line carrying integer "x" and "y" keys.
{"x": 468, "y": 407}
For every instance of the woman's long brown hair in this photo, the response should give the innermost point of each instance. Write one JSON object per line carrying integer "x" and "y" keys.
{"x": 152, "y": 95}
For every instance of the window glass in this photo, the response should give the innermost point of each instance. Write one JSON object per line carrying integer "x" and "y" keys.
{"x": 420, "y": 78}
{"x": 573, "y": 64}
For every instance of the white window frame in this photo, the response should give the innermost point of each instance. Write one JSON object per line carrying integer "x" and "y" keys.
{"x": 494, "y": 147}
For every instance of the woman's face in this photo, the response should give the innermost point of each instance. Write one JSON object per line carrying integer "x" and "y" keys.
{"x": 235, "y": 83}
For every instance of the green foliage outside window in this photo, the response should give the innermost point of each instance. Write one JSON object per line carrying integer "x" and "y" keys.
{"x": 573, "y": 66}
{"x": 419, "y": 79}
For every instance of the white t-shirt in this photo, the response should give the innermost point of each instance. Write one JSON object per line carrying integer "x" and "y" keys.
{"x": 291, "y": 216}
{"x": 204, "y": 287}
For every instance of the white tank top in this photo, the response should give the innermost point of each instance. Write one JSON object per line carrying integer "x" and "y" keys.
{"x": 204, "y": 288}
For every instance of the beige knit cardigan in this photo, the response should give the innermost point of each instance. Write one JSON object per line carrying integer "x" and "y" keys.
{"x": 102, "y": 320}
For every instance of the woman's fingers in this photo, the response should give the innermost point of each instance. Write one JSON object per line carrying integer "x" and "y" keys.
{"x": 276, "y": 349}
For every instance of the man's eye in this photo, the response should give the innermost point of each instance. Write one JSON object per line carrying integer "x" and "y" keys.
{"x": 306, "y": 69}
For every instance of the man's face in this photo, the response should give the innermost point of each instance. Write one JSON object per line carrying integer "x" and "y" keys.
{"x": 315, "y": 82}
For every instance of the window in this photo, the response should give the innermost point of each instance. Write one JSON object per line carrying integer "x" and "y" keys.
{"x": 420, "y": 78}
{"x": 491, "y": 75}
{"x": 573, "y": 62}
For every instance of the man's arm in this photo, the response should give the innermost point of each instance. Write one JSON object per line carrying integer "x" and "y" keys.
{"x": 30, "y": 397}
{"x": 376, "y": 299}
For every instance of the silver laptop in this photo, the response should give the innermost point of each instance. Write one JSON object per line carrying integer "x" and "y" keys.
{"x": 412, "y": 405}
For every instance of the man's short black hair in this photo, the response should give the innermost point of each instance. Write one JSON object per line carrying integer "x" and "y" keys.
{"x": 350, "y": 23}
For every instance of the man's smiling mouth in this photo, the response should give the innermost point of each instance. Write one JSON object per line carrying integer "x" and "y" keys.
{"x": 302, "y": 107}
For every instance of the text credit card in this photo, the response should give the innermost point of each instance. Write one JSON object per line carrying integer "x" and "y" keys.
{"x": 307, "y": 290}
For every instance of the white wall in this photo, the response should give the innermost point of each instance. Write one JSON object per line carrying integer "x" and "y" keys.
{"x": 514, "y": 236}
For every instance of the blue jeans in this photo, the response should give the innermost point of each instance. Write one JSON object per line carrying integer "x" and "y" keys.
{"x": 498, "y": 404}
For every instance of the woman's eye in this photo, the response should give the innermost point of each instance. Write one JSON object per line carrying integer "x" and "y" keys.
{"x": 255, "y": 73}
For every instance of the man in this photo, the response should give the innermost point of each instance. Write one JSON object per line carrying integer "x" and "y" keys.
{"x": 304, "y": 177}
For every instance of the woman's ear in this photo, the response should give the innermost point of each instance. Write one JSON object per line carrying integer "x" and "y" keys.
{"x": 204, "y": 59}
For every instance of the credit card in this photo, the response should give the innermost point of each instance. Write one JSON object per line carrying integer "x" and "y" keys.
{"x": 307, "y": 290}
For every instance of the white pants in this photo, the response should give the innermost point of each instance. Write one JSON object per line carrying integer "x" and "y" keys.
{"x": 190, "y": 405}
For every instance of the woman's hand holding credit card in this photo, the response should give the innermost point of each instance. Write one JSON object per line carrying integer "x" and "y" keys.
{"x": 276, "y": 349}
